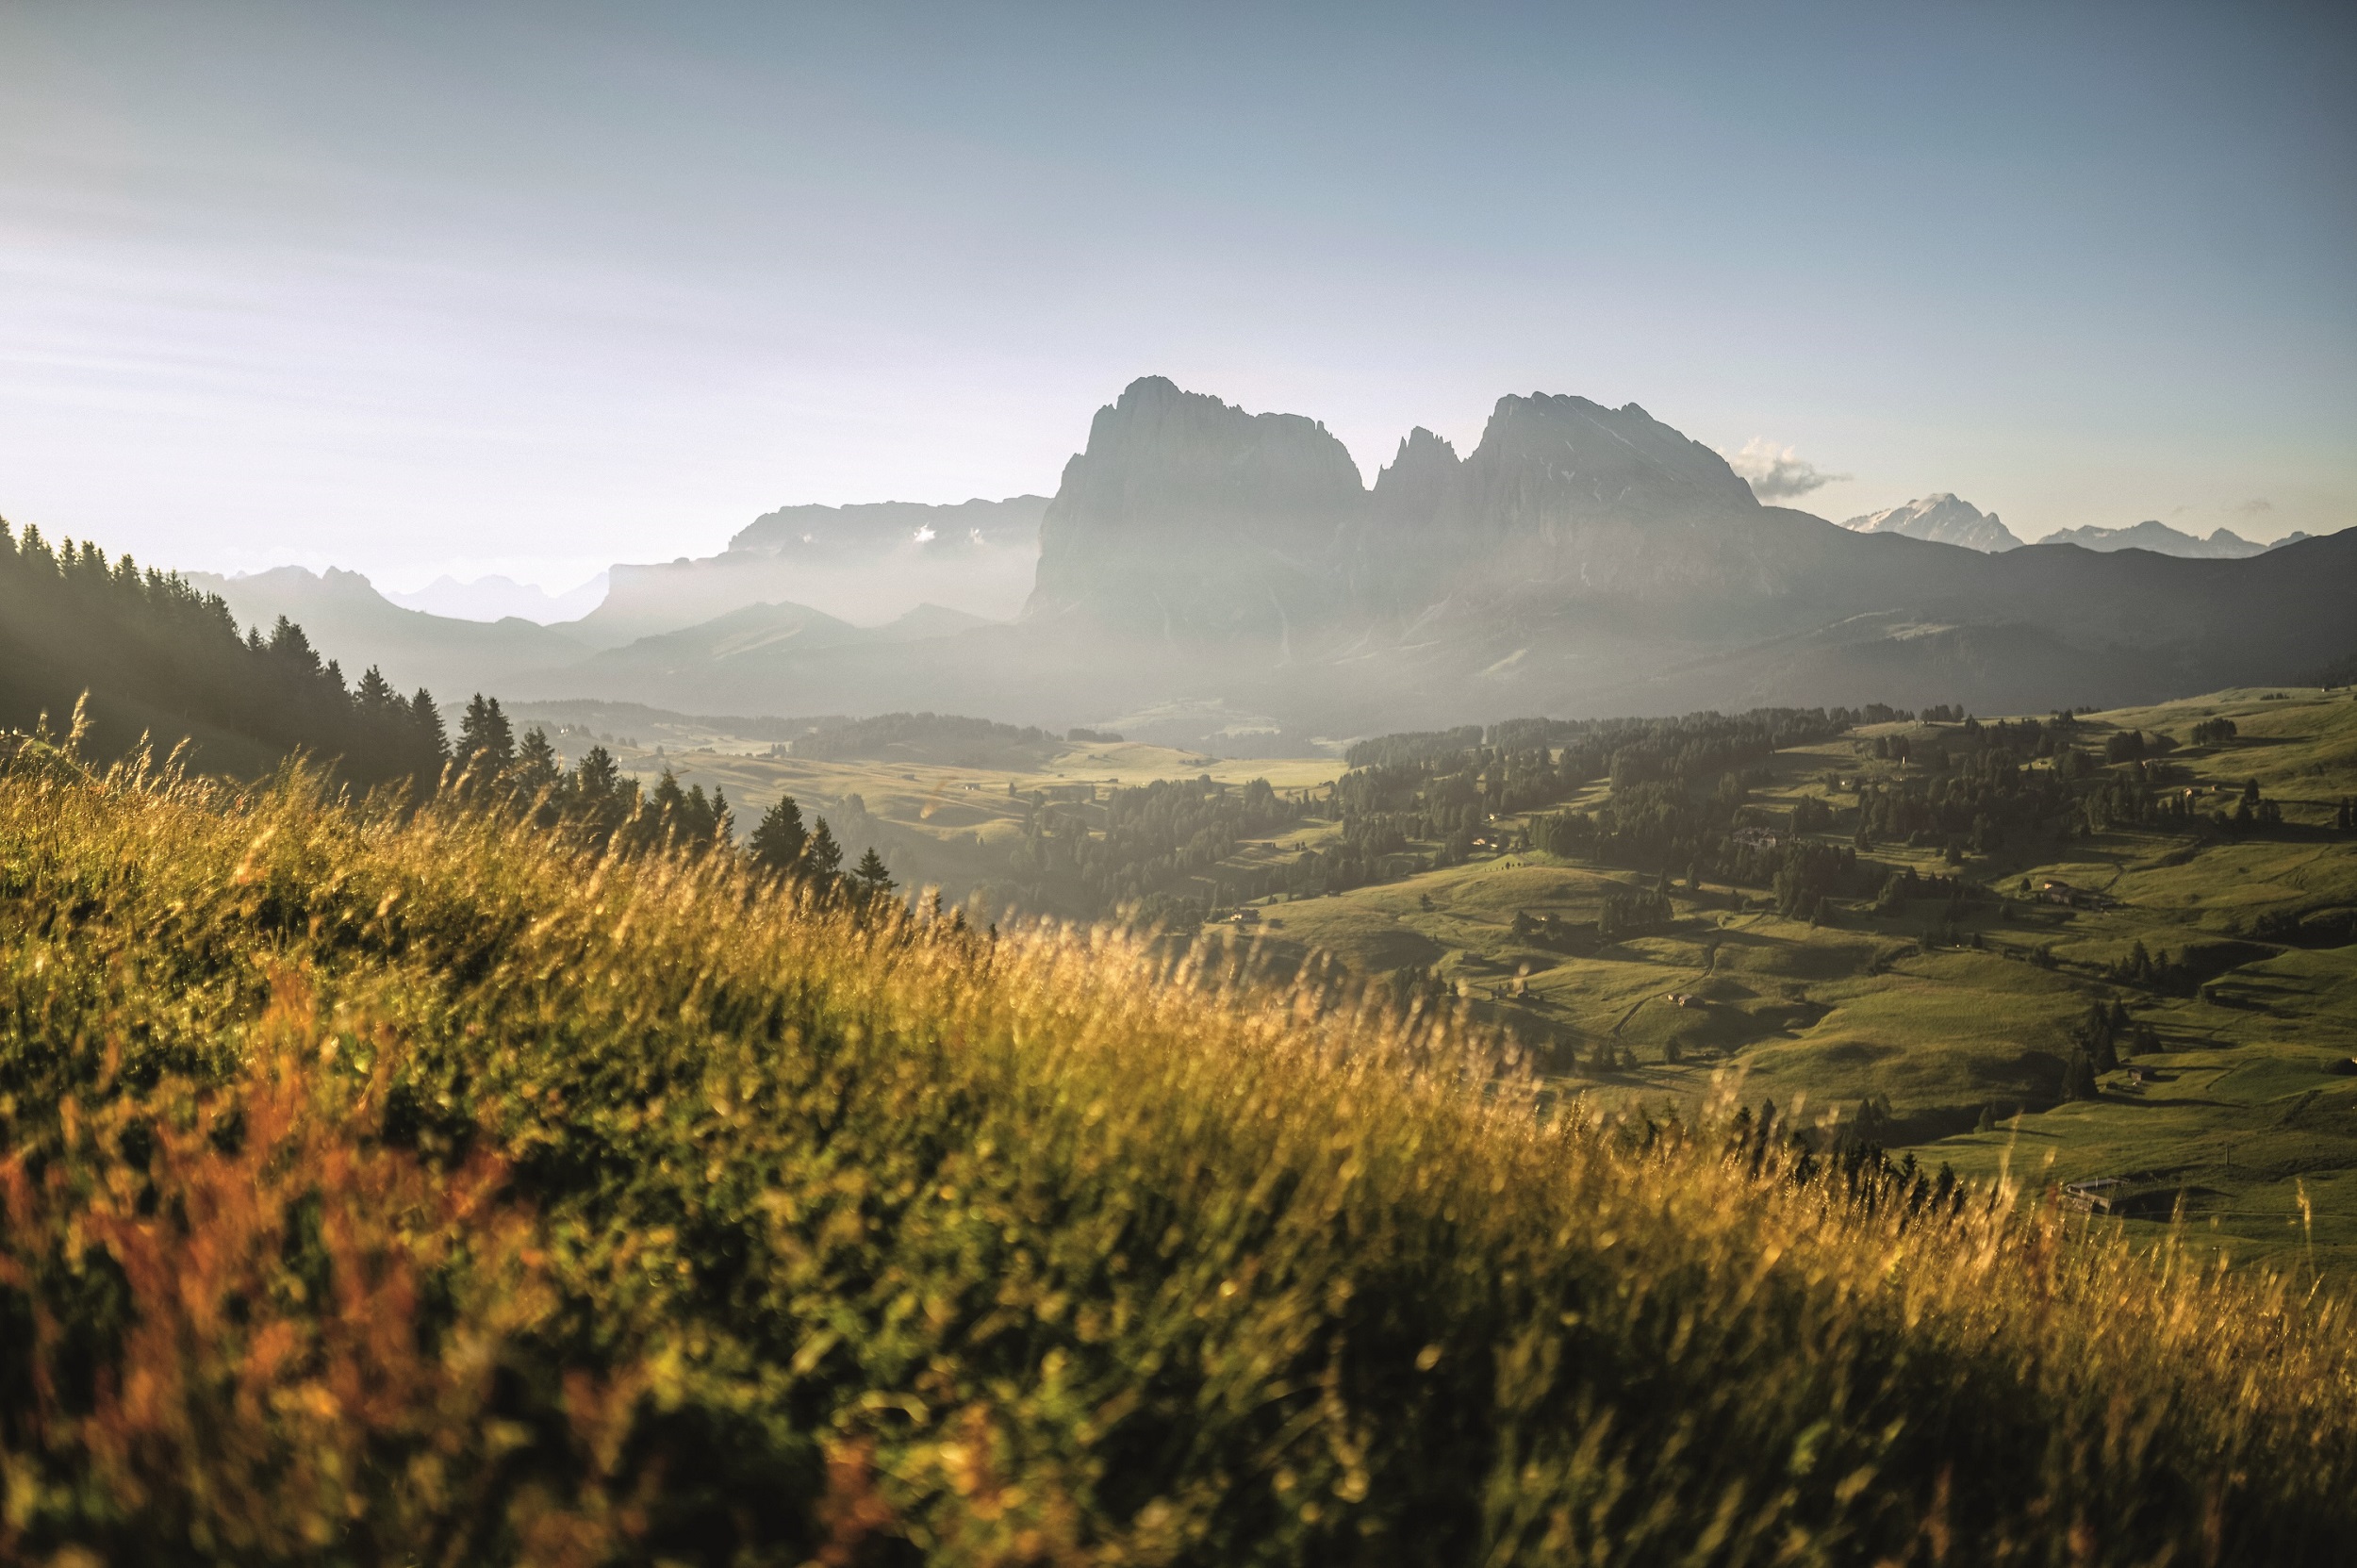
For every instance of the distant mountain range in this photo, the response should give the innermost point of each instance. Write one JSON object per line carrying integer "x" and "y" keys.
{"x": 346, "y": 617}
{"x": 1944, "y": 519}
{"x": 866, "y": 563}
{"x": 496, "y": 597}
{"x": 1211, "y": 577}
{"x": 2222, "y": 545}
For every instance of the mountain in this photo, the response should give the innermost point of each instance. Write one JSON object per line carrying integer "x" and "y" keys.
{"x": 2158, "y": 537}
{"x": 863, "y": 563}
{"x": 1206, "y": 571}
{"x": 1943, "y": 519}
{"x": 1214, "y": 577}
{"x": 1191, "y": 518}
{"x": 496, "y": 597}
{"x": 346, "y": 615}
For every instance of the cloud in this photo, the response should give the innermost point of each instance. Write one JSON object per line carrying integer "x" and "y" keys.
{"x": 2256, "y": 504}
{"x": 1777, "y": 472}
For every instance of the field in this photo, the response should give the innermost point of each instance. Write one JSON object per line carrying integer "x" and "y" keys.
{"x": 2244, "y": 1114}
{"x": 433, "y": 1191}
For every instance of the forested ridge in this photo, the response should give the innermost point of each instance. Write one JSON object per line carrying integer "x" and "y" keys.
{"x": 156, "y": 657}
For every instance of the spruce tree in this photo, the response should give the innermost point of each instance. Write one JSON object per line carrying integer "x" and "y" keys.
{"x": 780, "y": 838}
{"x": 823, "y": 860}
{"x": 425, "y": 725}
{"x": 486, "y": 742}
{"x": 537, "y": 766}
{"x": 374, "y": 696}
{"x": 870, "y": 877}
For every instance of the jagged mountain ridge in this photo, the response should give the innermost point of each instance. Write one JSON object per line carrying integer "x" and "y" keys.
{"x": 1204, "y": 568}
{"x": 1201, "y": 561}
{"x": 2223, "y": 544}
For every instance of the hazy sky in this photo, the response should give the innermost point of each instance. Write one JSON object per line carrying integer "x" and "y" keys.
{"x": 503, "y": 287}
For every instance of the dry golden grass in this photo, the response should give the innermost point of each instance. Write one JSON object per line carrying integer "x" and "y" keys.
{"x": 385, "y": 1190}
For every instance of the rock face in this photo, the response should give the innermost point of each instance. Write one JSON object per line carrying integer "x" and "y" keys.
{"x": 1187, "y": 518}
{"x": 1943, "y": 519}
{"x": 2158, "y": 537}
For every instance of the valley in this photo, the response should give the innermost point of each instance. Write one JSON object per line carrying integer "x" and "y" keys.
{"x": 1934, "y": 1025}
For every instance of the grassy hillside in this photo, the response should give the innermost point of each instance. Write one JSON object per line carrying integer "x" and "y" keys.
{"x": 428, "y": 1192}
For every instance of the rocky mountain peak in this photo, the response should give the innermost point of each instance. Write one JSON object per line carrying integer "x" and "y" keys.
{"x": 1942, "y": 519}
{"x": 1559, "y": 458}
{"x": 1416, "y": 485}
{"x": 1184, "y": 510}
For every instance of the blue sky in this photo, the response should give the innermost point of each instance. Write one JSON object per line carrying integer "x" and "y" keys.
{"x": 533, "y": 287}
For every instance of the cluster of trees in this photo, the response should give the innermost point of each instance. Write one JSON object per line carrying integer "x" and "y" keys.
{"x": 1635, "y": 912}
{"x": 2136, "y": 746}
{"x": 948, "y": 739}
{"x": 2213, "y": 732}
{"x": 594, "y": 804}
{"x": 1677, "y": 786}
{"x": 2154, "y": 971}
{"x": 156, "y": 657}
{"x": 1812, "y": 875}
{"x": 1446, "y": 797}
{"x": 1147, "y": 846}
{"x": 2098, "y": 1044}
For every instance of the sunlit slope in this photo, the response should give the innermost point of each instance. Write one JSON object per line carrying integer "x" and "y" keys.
{"x": 375, "y": 1191}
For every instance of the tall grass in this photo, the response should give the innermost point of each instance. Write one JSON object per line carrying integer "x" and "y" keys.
{"x": 385, "y": 1190}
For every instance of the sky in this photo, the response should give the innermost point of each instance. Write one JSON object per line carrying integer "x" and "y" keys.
{"x": 530, "y": 288}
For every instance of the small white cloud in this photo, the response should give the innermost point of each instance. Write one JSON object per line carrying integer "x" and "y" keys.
{"x": 1776, "y": 473}
{"x": 2256, "y": 504}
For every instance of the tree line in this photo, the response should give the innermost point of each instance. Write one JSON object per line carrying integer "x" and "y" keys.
{"x": 153, "y": 656}
{"x": 595, "y": 805}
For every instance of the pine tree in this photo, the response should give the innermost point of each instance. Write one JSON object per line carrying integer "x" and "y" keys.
{"x": 425, "y": 725}
{"x": 486, "y": 742}
{"x": 870, "y": 877}
{"x": 1988, "y": 1122}
{"x": 375, "y": 694}
{"x": 537, "y": 766}
{"x": 2079, "y": 1077}
{"x": 780, "y": 838}
{"x": 823, "y": 860}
